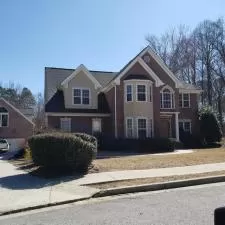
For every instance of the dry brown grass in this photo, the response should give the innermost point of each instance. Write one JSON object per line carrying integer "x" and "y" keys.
{"x": 150, "y": 161}
{"x": 152, "y": 180}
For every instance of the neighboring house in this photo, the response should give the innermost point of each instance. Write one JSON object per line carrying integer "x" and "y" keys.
{"x": 14, "y": 126}
{"x": 29, "y": 113}
{"x": 143, "y": 99}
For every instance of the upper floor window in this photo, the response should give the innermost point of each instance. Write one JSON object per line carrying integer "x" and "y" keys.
{"x": 141, "y": 92}
{"x": 81, "y": 96}
{"x": 4, "y": 117}
{"x": 129, "y": 93}
{"x": 166, "y": 98}
{"x": 184, "y": 100}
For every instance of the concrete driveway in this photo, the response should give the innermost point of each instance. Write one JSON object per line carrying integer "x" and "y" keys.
{"x": 20, "y": 190}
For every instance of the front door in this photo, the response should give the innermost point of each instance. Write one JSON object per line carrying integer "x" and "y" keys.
{"x": 165, "y": 127}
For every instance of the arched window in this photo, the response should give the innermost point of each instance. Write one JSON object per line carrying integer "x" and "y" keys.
{"x": 4, "y": 117}
{"x": 167, "y": 98}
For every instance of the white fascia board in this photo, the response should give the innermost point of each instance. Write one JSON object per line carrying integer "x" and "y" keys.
{"x": 145, "y": 66}
{"x": 17, "y": 110}
{"x": 77, "y": 71}
{"x": 163, "y": 66}
{"x": 191, "y": 91}
{"x": 78, "y": 114}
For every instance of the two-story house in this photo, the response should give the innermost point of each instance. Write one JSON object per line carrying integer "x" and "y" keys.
{"x": 143, "y": 99}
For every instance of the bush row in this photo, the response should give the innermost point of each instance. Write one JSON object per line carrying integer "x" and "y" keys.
{"x": 140, "y": 145}
{"x": 63, "y": 149}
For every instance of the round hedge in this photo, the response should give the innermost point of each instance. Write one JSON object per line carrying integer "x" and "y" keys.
{"x": 62, "y": 149}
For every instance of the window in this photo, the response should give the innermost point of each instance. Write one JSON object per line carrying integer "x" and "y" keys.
{"x": 65, "y": 124}
{"x": 142, "y": 128}
{"x": 96, "y": 125}
{"x": 129, "y": 127}
{"x": 4, "y": 117}
{"x": 81, "y": 96}
{"x": 185, "y": 125}
{"x": 184, "y": 100}
{"x": 141, "y": 93}
{"x": 129, "y": 93}
{"x": 166, "y": 99}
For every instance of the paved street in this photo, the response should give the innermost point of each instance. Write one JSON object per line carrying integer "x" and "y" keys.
{"x": 184, "y": 206}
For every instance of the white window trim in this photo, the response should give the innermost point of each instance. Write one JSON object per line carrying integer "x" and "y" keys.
{"x": 99, "y": 120}
{"x": 132, "y": 93}
{"x": 150, "y": 92}
{"x": 147, "y": 130}
{"x": 151, "y": 128}
{"x": 183, "y": 121}
{"x": 81, "y": 88}
{"x": 146, "y": 96}
{"x": 65, "y": 119}
{"x": 172, "y": 97}
{"x": 132, "y": 119}
{"x": 4, "y": 113}
{"x": 189, "y": 100}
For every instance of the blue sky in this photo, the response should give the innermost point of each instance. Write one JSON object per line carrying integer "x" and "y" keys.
{"x": 101, "y": 34}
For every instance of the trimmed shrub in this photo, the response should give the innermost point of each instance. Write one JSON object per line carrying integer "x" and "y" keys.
{"x": 189, "y": 140}
{"x": 138, "y": 145}
{"x": 209, "y": 126}
{"x": 156, "y": 145}
{"x": 88, "y": 138}
{"x": 62, "y": 149}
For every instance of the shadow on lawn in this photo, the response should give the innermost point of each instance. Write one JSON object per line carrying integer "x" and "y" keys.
{"x": 32, "y": 181}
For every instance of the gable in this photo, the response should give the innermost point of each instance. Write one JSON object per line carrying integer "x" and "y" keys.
{"x": 11, "y": 109}
{"x": 84, "y": 70}
{"x": 139, "y": 66}
{"x": 137, "y": 72}
{"x": 159, "y": 71}
{"x": 160, "y": 68}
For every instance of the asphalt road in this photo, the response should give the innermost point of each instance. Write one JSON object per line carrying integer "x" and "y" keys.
{"x": 184, "y": 206}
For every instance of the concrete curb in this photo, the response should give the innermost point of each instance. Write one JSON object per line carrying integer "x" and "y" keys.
{"x": 159, "y": 186}
{"x": 128, "y": 189}
{"x": 43, "y": 206}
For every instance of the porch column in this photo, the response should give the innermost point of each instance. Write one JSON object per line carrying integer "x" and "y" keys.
{"x": 177, "y": 126}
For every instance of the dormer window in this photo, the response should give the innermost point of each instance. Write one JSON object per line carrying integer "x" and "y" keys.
{"x": 81, "y": 96}
{"x": 166, "y": 98}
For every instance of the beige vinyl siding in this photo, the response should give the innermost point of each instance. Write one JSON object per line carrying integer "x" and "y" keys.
{"x": 80, "y": 81}
{"x": 138, "y": 109}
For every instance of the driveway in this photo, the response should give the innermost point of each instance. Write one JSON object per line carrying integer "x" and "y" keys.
{"x": 20, "y": 190}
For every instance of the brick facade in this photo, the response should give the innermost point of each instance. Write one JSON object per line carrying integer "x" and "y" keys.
{"x": 18, "y": 126}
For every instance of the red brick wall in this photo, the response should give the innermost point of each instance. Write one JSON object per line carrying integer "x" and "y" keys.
{"x": 191, "y": 113}
{"x": 80, "y": 124}
{"x": 18, "y": 126}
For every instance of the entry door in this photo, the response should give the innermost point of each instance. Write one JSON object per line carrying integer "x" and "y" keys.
{"x": 165, "y": 125}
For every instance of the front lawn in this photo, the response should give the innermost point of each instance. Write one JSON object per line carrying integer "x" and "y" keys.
{"x": 150, "y": 161}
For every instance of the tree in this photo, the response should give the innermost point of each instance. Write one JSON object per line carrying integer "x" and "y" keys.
{"x": 197, "y": 57}
{"x": 26, "y": 98}
{"x": 39, "y": 117}
{"x": 20, "y": 99}
{"x": 209, "y": 126}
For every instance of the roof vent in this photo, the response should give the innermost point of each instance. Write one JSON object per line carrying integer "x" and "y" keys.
{"x": 147, "y": 58}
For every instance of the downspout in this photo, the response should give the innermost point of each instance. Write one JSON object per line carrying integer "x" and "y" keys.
{"x": 115, "y": 112}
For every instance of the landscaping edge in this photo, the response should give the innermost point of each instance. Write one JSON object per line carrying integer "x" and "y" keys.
{"x": 130, "y": 189}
